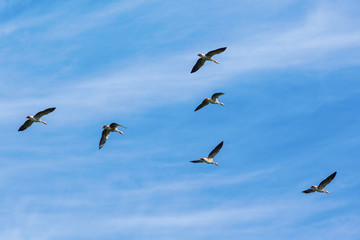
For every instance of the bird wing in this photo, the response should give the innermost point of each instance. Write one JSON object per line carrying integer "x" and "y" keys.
{"x": 104, "y": 136}
{"x": 310, "y": 190}
{"x": 198, "y": 65}
{"x": 25, "y": 125}
{"x": 216, "y": 150}
{"x": 326, "y": 181}
{"x": 114, "y": 125}
{"x": 214, "y": 52}
{"x": 216, "y": 95}
{"x": 42, "y": 113}
{"x": 203, "y": 104}
{"x": 197, "y": 161}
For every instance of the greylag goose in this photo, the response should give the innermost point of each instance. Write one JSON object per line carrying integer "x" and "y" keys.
{"x": 321, "y": 186}
{"x": 210, "y": 158}
{"x": 106, "y": 132}
{"x": 206, "y": 57}
{"x": 212, "y": 100}
{"x": 36, "y": 118}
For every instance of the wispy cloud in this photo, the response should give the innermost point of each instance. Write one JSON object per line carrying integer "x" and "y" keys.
{"x": 319, "y": 37}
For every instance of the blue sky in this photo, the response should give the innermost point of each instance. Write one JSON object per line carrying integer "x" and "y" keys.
{"x": 292, "y": 117}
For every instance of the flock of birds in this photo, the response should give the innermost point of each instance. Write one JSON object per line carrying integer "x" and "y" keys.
{"x": 213, "y": 100}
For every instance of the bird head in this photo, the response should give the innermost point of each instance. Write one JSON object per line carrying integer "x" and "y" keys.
{"x": 202, "y": 159}
{"x": 312, "y": 186}
{"x": 28, "y": 117}
{"x": 105, "y": 126}
{"x": 199, "y": 54}
{"x": 207, "y": 99}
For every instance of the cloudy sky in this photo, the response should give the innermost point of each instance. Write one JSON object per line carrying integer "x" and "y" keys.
{"x": 290, "y": 75}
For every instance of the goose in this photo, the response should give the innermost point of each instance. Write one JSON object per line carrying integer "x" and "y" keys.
{"x": 36, "y": 118}
{"x": 206, "y": 57}
{"x": 321, "y": 186}
{"x": 212, "y": 100}
{"x": 106, "y": 132}
{"x": 210, "y": 158}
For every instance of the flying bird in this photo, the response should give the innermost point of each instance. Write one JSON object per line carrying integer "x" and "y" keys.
{"x": 206, "y": 57}
{"x": 212, "y": 100}
{"x": 321, "y": 186}
{"x": 210, "y": 158}
{"x": 35, "y": 118}
{"x": 106, "y": 132}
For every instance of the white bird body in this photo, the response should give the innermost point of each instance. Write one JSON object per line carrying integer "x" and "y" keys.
{"x": 214, "y": 102}
{"x": 316, "y": 188}
{"x": 34, "y": 119}
{"x": 207, "y": 58}
{"x": 209, "y": 161}
{"x": 107, "y": 127}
